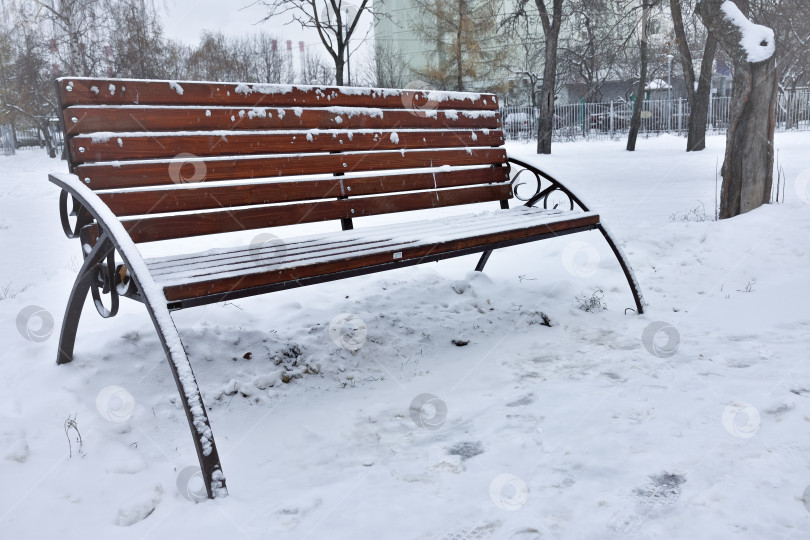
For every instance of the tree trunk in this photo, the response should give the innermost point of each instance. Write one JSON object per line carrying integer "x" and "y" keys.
{"x": 683, "y": 45}
{"x": 545, "y": 124}
{"x": 635, "y": 120}
{"x": 46, "y": 136}
{"x": 698, "y": 97}
{"x": 748, "y": 166}
{"x": 339, "y": 64}
{"x": 699, "y": 115}
{"x": 459, "y": 56}
{"x": 551, "y": 30}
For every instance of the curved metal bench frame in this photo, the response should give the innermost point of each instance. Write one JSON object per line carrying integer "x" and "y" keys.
{"x": 542, "y": 193}
{"x": 99, "y": 275}
{"x": 96, "y": 272}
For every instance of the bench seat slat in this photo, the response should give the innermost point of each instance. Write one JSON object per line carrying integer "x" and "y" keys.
{"x": 531, "y": 222}
{"x": 295, "y": 250}
{"x": 84, "y": 119}
{"x": 150, "y": 229}
{"x": 99, "y": 91}
{"x": 123, "y": 146}
{"x": 155, "y": 173}
{"x": 128, "y": 203}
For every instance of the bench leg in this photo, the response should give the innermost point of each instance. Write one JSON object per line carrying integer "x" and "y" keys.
{"x": 81, "y": 288}
{"x": 631, "y": 279}
{"x": 178, "y": 362}
{"x": 482, "y": 262}
{"x": 192, "y": 402}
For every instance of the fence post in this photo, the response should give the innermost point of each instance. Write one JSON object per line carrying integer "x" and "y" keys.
{"x": 611, "y": 120}
{"x": 582, "y": 115}
{"x": 680, "y": 115}
{"x": 7, "y": 139}
{"x": 711, "y": 106}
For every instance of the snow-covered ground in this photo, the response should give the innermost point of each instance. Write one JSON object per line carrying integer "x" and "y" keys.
{"x": 582, "y": 430}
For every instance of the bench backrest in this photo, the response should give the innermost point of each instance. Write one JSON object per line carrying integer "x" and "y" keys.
{"x": 208, "y": 157}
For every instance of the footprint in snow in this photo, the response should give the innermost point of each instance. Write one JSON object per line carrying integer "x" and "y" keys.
{"x": 465, "y": 450}
{"x": 473, "y": 532}
{"x": 663, "y": 490}
{"x": 525, "y": 400}
{"x": 139, "y": 507}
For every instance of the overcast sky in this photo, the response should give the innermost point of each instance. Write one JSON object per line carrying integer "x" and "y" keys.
{"x": 186, "y": 19}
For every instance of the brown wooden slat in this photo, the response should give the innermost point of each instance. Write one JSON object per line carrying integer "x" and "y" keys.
{"x": 299, "y": 250}
{"x": 141, "y": 92}
{"x": 199, "y": 198}
{"x": 149, "y": 229}
{"x": 85, "y": 149}
{"x": 296, "y": 252}
{"x": 194, "y": 290}
{"x": 127, "y": 175}
{"x": 93, "y": 119}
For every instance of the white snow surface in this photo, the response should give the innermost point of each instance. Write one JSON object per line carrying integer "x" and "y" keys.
{"x": 758, "y": 41}
{"x": 265, "y": 88}
{"x": 373, "y": 240}
{"x": 658, "y": 84}
{"x": 176, "y": 87}
{"x": 573, "y": 431}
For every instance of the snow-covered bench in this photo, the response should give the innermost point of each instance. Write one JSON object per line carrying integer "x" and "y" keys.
{"x": 160, "y": 160}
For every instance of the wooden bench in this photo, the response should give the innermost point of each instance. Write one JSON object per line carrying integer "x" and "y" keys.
{"x": 159, "y": 160}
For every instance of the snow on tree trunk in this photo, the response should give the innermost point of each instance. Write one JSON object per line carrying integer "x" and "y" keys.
{"x": 748, "y": 167}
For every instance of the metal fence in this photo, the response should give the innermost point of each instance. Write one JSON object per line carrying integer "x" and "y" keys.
{"x": 6, "y": 140}
{"x": 14, "y": 137}
{"x": 611, "y": 120}
{"x": 793, "y": 111}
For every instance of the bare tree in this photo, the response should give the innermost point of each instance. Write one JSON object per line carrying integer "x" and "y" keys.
{"x": 26, "y": 89}
{"x": 390, "y": 68}
{"x": 316, "y": 71}
{"x": 136, "y": 42}
{"x": 78, "y": 33}
{"x": 596, "y": 46}
{"x": 791, "y": 21}
{"x": 551, "y": 22}
{"x": 219, "y": 58}
{"x": 699, "y": 88}
{"x": 748, "y": 167}
{"x": 635, "y": 119}
{"x": 526, "y": 61}
{"x": 335, "y": 21}
{"x": 175, "y": 59}
{"x": 271, "y": 65}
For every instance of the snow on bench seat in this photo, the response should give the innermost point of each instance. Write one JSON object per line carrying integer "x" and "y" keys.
{"x": 222, "y": 270}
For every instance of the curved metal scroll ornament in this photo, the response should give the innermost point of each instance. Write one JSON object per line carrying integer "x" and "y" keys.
{"x": 516, "y": 183}
{"x": 110, "y": 279}
{"x": 553, "y": 195}
{"x": 77, "y": 211}
{"x": 557, "y": 198}
{"x": 105, "y": 278}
